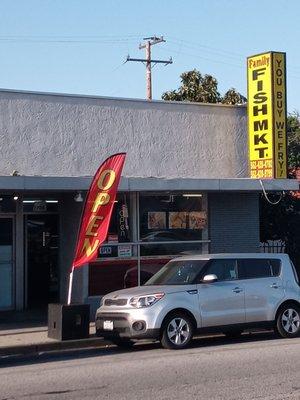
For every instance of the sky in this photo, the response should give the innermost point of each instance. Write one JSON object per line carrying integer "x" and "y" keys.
{"x": 80, "y": 46}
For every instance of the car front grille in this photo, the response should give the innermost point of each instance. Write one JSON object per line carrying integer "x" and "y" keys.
{"x": 115, "y": 302}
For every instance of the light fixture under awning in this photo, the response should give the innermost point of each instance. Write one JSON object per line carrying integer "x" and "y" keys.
{"x": 36, "y": 201}
{"x": 192, "y": 195}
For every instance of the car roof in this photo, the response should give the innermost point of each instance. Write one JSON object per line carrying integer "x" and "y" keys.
{"x": 230, "y": 255}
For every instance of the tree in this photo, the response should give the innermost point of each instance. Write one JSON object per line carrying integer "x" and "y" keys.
{"x": 203, "y": 89}
{"x": 293, "y": 135}
{"x": 233, "y": 97}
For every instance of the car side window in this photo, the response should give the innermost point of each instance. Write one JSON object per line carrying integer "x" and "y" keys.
{"x": 224, "y": 269}
{"x": 250, "y": 268}
{"x": 275, "y": 267}
{"x": 295, "y": 272}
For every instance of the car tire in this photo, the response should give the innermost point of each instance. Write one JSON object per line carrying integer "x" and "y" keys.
{"x": 123, "y": 343}
{"x": 288, "y": 321}
{"x": 234, "y": 334}
{"x": 177, "y": 331}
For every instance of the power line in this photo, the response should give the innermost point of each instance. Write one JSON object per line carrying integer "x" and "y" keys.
{"x": 150, "y": 41}
{"x": 208, "y": 48}
{"x": 203, "y": 58}
{"x": 102, "y": 39}
{"x": 217, "y": 52}
{"x": 69, "y": 36}
{"x": 98, "y": 41}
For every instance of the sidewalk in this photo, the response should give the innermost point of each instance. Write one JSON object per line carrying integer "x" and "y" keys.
{"x": 29, "y": 337}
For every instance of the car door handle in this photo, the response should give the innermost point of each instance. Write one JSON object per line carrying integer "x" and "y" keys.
{"x": 194, "y": 291}
{"x": 237, "y": 290}
{"x": 274, "y": 286}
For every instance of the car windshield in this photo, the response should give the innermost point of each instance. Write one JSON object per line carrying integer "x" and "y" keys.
{"x": 177, "y": 273}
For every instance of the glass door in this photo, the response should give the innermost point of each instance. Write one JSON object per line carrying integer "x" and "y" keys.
{"x": 6, "y": 263}
{"x": 42, "y": 260}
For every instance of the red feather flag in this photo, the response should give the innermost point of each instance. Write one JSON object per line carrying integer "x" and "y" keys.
{"x": 98, "y": 209}
{"x": 97, "y": 212}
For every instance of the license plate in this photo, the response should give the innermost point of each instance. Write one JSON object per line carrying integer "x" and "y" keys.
{"x": 108, "y": 325}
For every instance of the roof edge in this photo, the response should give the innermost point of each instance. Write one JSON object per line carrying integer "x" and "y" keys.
{"x": 88, "y": 96}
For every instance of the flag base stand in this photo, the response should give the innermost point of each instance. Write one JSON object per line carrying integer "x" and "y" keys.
{"x": 68, "y": 322}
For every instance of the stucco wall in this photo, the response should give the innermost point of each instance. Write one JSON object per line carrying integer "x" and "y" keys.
{"x": 57, "y": 135}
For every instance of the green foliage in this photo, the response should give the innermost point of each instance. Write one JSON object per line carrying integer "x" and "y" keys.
{"x": 293, "y": 136}
{"x": 203, "y": 89}
{"x": 280, "y": 221}
{"x": 233, "y": 97}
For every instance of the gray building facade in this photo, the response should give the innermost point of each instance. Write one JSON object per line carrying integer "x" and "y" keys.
{"x": 185, "y": 188}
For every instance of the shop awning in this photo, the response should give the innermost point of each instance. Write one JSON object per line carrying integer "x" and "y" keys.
{"x": 67, "y": 184}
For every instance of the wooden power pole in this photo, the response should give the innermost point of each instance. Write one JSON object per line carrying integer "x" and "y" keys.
{"x": 150, "y": 41}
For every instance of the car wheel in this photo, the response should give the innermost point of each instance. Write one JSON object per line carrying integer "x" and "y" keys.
{"x": 234, "y": 334}
{"x": 124, "y": 343}
{"x": 177, "y": 331}
{"x": 288, "y": 321}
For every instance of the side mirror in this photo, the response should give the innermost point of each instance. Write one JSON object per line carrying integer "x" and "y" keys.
{"x": 209, "y": 278}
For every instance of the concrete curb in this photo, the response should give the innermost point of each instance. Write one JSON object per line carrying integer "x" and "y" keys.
{"x": 34, "y": 349}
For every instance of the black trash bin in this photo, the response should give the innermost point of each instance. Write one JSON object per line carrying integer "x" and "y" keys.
{"x": 68, "y": 322}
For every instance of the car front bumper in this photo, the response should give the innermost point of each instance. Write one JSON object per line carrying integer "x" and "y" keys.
{"x": 123, "y": 325}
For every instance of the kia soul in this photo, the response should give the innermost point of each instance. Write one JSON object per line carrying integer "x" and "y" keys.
{"x": 227, "y": 293}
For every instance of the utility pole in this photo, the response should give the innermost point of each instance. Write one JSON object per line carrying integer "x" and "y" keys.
{"x": 150, "y": 41}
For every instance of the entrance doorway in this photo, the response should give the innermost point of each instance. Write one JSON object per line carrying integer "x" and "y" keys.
{"x": 6, "y": 263}
{"x": 42, "y": 252}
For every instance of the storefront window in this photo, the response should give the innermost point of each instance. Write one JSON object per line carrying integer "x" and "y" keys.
{"x": 109, "y": 275}
{"x": 119, "y": 230}
{"x": 171, "y": 217}
{"x": 120, "y": 250}
{"x": 174, "y": 249}
{"x": 140, "y": 241}
{"x": 8, "y": 204}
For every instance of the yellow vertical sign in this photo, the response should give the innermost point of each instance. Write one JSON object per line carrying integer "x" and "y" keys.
{"x": 279, "y": 118}
{"x": 267, "y": 115}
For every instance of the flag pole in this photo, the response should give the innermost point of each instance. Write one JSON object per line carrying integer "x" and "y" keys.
{"x": 70, "y": 286}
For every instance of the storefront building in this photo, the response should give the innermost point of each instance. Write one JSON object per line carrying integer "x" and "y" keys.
{"x": 185, "y": 189}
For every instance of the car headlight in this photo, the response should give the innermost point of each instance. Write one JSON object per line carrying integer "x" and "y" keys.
{"x": 145, "y": 301}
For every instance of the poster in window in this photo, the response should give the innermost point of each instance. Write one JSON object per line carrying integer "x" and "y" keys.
{"x": 156, "y": 220}
{"x": 197, "y": 220}
{"x": 177, "y": 220}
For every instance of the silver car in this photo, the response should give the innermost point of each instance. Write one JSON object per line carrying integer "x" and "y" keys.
{"x": 226, "y": 293}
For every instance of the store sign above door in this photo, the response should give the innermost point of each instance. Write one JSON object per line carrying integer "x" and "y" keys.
{"x": 267, "y": 115}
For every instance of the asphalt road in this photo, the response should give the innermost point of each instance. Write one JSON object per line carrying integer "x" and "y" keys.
{"x": 255, "y": 367}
